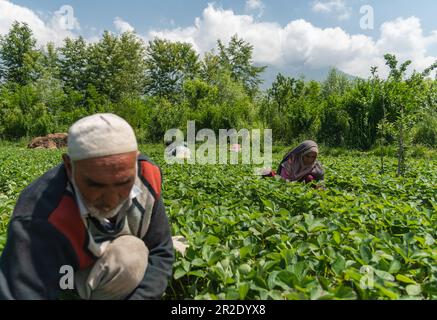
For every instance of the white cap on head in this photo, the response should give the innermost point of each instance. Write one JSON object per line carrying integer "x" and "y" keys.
{"x": 100, "y": 135}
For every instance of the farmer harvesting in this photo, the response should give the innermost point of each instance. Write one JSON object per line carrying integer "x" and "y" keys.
{"x": 99, "y": 214}
{"x": 301, "y": 164}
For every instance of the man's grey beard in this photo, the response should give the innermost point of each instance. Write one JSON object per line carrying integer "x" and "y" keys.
{"x": 93, "y": 211}
{"x": 99, "y": 214}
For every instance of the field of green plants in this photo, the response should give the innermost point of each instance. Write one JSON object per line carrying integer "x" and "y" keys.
{"x": 367, "y": 236}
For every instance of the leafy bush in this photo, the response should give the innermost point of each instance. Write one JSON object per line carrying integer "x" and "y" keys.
{"x": 426, "y": 132}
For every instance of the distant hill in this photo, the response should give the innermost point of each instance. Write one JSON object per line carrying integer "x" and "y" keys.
{"x": 320, "y": 74}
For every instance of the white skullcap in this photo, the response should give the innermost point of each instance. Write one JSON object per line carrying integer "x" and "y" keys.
{"x": 99, "y": 135}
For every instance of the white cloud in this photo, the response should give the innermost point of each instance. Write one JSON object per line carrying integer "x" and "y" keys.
{"x": 406, "y": 38}
{"x": 62, "y": 23}
{"x": 337, "y": 7}
{"x": 255, "y": 5}
{"x": 297, "y": 44}
{"x": 300, "y": 43}
{"x": 122, "y": 26}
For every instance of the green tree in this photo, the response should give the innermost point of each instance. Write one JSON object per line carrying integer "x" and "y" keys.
{"x": 425, "y": 131}
{"x": 364, "y": 105}
{"x": 334, "y": 122}
{"x": 335, "y": 83}
{"x": 168, "y": 65}
{"x": 18, "y": 55}
{"x": 130, "y": 78}
{"x": 116, "y": 65}
{"x": 73, "y": 64}
{"x": 162, "y": 116}
{"x": 48, "y": 85}
{"x": 405, "y": 98}
{"x": 103, "y": 64}
{"x": 290, "y": 108}
{"x": 237, "y": 57}
{"x": 22, "y": 114}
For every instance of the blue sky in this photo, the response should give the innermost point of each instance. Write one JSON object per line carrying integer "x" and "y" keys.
{"x": 314, "y": 33}
{"x": 145, "y": 15}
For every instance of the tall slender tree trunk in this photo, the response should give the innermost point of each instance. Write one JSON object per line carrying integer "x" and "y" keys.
{"x": 401, "y": 146}
{"x": 382, "y": 135}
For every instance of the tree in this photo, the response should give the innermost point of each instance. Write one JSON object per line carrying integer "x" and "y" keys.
{"x": 22, "y": 114}
{"x": 116, "y": 65}
{"x": 103, "y": 64}
{"x": 402, "y": 103}
{"x": 49, "y": 60}
{"x": 364, "y": 105}
{"x": 130, "y": 78}
{"x": 290, "y": 108}
{"x": 210, "y": 67}
{"x": 18, "y": 55}
{"x": 168, "y": 65}
{"x": 48, "y": 85}
{"x": 335, "y": 83}
{"x": 237, "y": 57}
{"x": 334, "y": 122}
{"x": 73, "y": 64}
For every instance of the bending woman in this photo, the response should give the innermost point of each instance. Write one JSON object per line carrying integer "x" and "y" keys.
{"x": 301, "y": 164}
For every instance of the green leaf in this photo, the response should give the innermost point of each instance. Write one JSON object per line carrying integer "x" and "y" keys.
{"x": 275, "y": 294}
{"x": 243, "y": 290}
{"x": 214, "y": 258}
{"x": 271, "y": 280}
{"x": 186, "y": 265}
{"x": 198, "y": 262}
{"x": 345, "y": 293}
{"x": 206, "y": 249}
{"x": 387, "y": 292}
{"x": 339, "y": 265}
{"x": 283, "y": 212}
{"x": 244, "y": 251}
{"x": 211, "y": 240}
{"x": 336, "y": 237}
{"x": 395, "y": 266}
{"x": 232, "y": 294}
{"x": 352, "y": 273}
{"x": 299, "y": 269}
{"x": 179, "y": 273}
{"x": 413, "y": 289}
{"x": 316, "y": 226}
{"x": 197, "y": 273}
{"x": 244, "y": 268}
{"x": 268, "y": 204}
{"x": 254, "y": 231}
{"x": 384, "y": 275}
{"x": 429, "y": 240}
{"x": 365, "y": 252}
{"x": 404, "y": 279}
{"x": 261, "y": 283}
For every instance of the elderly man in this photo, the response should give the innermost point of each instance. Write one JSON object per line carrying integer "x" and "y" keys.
{"x": 100, "y": 214}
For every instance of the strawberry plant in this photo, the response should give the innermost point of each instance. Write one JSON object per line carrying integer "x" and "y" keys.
{"x": 367, "y": 236}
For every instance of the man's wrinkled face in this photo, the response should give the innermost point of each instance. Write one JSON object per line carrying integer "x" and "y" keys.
{"x": 104, "y": 183}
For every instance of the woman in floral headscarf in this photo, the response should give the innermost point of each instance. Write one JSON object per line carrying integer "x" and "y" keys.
{"x": 301, "y": 164}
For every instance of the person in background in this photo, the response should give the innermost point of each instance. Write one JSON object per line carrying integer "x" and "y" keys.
{"x": 301, "y": 164}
